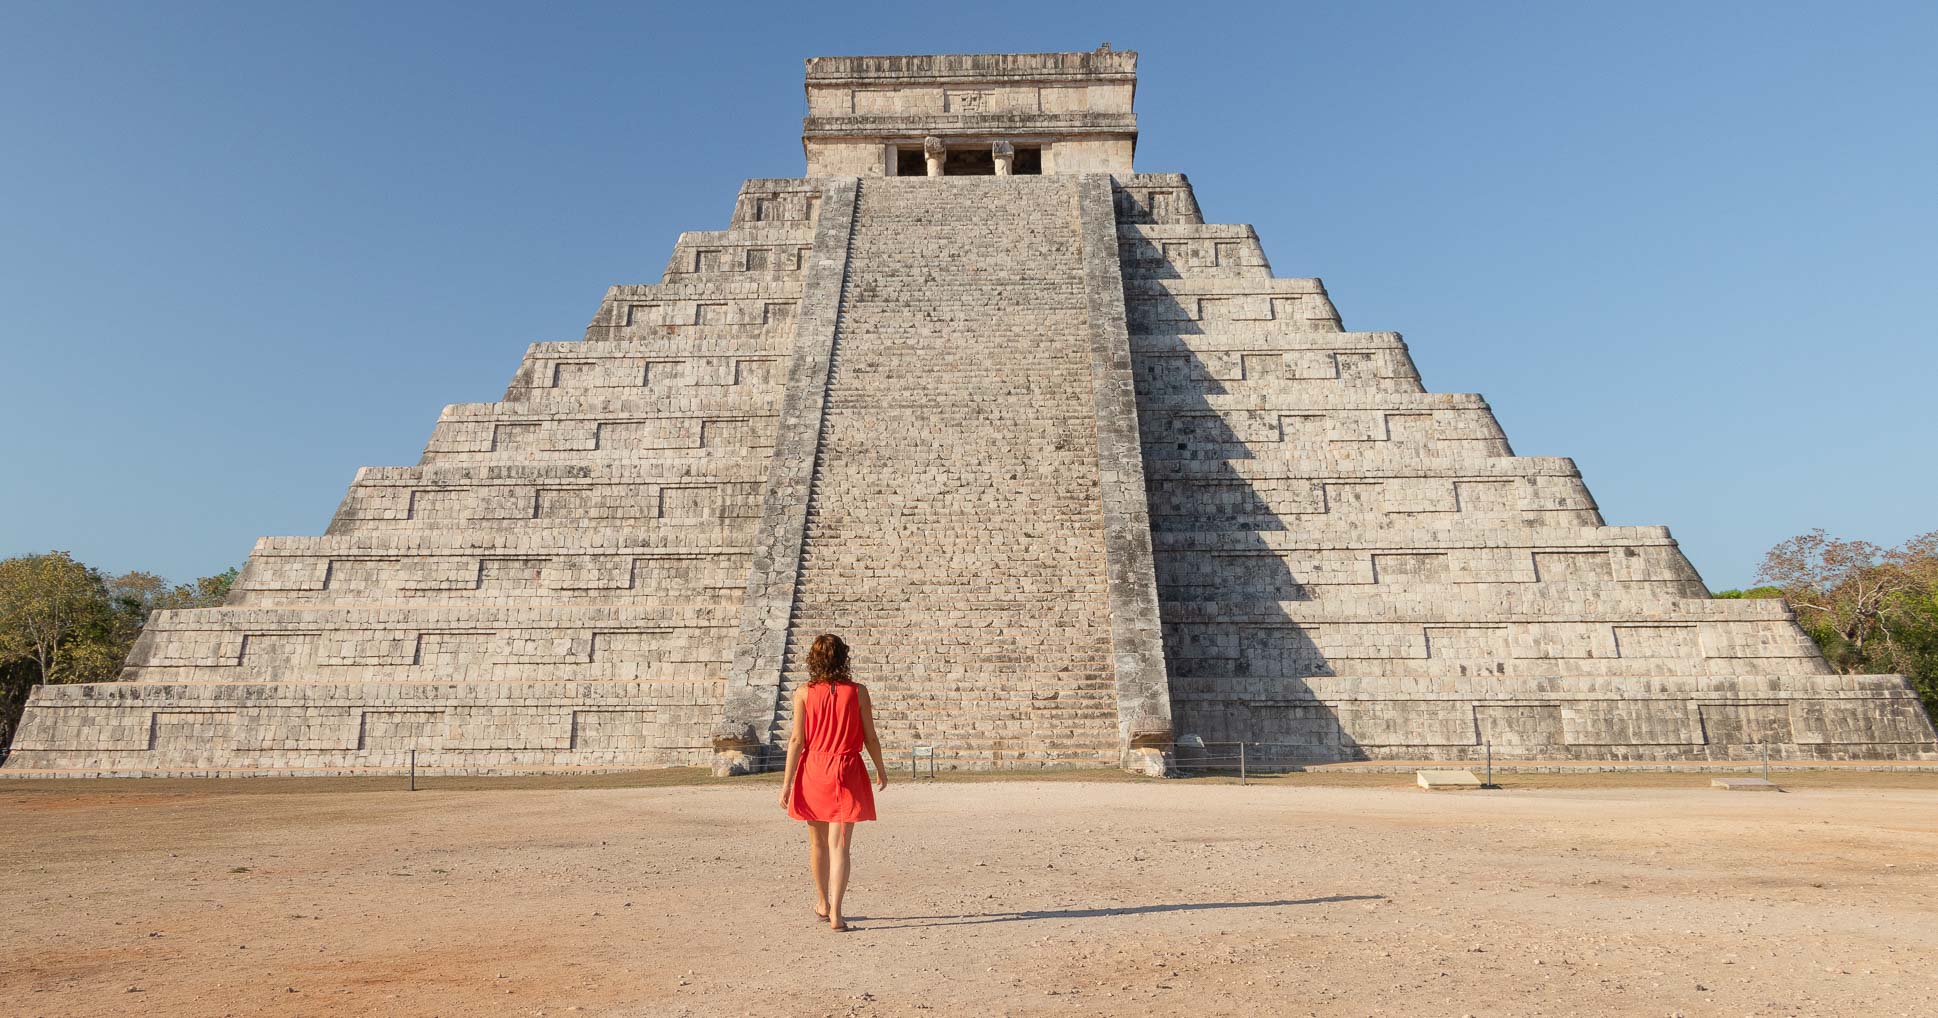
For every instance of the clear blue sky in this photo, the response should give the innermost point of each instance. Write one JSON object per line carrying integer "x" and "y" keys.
{"x": 245, "y": 249}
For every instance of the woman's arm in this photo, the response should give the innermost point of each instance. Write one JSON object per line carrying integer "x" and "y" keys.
{"x": 869, "y": 738}
{"x": 796, "y": 737}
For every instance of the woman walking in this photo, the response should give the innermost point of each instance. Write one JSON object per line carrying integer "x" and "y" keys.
{"x": 826, "y": 783}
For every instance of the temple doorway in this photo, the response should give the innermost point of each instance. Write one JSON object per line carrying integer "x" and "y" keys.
{"x": 969, "y": 162}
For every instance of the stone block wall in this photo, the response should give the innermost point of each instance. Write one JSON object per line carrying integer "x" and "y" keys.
{"x": 139, "y": 729}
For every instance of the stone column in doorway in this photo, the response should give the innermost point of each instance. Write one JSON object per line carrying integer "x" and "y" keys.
{"x": 933, "y": 150}
{"x": 1004, "y": 154}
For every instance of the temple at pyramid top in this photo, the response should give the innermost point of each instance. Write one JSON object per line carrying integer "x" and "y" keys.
{"x": 975, "y": 114}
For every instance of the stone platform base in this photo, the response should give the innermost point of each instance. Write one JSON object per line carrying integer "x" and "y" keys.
{"x": 1795, "y": 717}
{"x": 129, "y": 729}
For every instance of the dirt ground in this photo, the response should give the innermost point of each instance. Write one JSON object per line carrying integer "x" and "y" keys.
{"x": 1356, "y": 895}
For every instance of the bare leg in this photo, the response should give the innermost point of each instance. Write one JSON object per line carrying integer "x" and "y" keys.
{"x": 839, "y": 835}
{"x": 818, "y": 864}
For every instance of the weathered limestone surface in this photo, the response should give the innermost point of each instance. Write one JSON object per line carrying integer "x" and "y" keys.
{"x": 1071, "y": 469}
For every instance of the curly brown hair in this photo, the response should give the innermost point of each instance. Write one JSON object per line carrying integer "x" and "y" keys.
{"x": 827, "y": 660}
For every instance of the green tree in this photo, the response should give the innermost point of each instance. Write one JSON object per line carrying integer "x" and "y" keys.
{"x": 212, "y": 591}
{"x": 61, "y": 621}
{"x": 1752, "y": 593}
{"x": 45, "y": 601}
{"x": 1871, "y": 609}
{"x": 16, "y": 678}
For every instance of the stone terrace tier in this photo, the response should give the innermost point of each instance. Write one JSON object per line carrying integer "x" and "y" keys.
{"x": 1351, "y": 567}
{"x": 557, "y": 583}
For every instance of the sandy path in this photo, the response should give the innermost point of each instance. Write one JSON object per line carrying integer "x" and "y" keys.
{"x": 1006, "y": 898}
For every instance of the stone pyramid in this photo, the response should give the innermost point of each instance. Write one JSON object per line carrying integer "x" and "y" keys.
{"x": 1081, "y": 481}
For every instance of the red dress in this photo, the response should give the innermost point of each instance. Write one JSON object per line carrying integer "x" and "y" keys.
{"x": 831, "y": 782}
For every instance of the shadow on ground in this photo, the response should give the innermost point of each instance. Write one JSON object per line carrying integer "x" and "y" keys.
{"x": 981, "y": 918}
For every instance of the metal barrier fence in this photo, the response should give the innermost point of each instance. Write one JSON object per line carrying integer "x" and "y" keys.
{"x": 920, "y": 761}
{"x": 1192, "y": 757}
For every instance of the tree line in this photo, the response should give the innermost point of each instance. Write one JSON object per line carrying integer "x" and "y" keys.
{"x": 62, "y": 621}
{"x": 1870, "y": 609}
